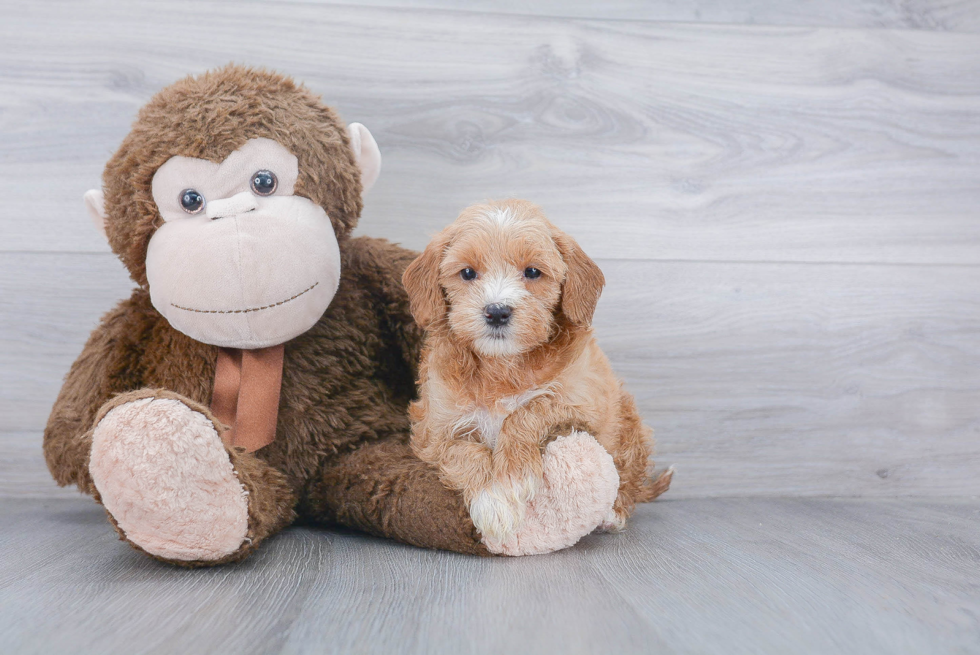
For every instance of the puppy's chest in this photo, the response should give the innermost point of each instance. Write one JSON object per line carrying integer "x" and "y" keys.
{"x": 486, "y": 422}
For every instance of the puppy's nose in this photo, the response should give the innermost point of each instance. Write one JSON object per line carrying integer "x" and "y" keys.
{"x": 497, "y": 315}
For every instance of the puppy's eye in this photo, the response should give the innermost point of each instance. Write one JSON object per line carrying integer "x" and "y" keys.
{"x": 264, "y": 183}
{"x": 532, "y": 273}
{"x": 468, "y": 274}
{"x": 191, "y": 201}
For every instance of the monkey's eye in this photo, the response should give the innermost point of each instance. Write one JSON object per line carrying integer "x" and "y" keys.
{"x": 264, "y": 183}
{"x": 468, "y": 274}
{"x": 191, "y": 201}
{"x": 532, "y": 273}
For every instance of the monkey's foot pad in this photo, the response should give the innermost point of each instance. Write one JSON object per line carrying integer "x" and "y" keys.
{"x": 580, "y": 486}
{"x": 165, "y": 478}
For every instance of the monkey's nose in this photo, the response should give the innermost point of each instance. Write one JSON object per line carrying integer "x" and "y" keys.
{"x": 237, "y": 204}
{"x": 497, "y": 315}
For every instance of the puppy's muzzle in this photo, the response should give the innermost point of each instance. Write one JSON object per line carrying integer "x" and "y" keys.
{"x": 497, "y": 315}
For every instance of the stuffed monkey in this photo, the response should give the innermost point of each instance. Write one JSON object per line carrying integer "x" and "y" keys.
{"x": 261, "y": 370}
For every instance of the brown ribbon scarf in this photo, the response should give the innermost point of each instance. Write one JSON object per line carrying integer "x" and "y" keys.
{"x": 246, "y": 395}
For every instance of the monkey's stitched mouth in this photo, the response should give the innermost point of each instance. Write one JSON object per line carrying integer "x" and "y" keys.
{"x": 245, "y": 311}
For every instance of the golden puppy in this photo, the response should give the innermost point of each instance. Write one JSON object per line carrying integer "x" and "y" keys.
{"x": 510, "y": 362}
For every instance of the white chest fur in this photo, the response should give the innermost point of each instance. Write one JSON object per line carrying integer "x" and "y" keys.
{"x": 487, "y": 422}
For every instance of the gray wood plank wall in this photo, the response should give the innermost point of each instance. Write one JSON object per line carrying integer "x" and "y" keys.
{"x": 940, "y": 15}
{"x": 784, "y": 197}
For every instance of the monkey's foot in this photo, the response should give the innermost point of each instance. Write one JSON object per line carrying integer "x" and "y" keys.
{"x": 167, "y": 481}
{"x": 580, "y": 487}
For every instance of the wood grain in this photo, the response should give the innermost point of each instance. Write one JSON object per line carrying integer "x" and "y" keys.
{"x": 945, "y": 15}
{"x": 760, "y": 379}
{"x": 23, "y": 473}
{"x": 783, "y": 379}
{"x": 786, "y": 211}
{"x": 703, "y": 159}
{"x": 647, "y": 140}
{"x": 710, "y": 576}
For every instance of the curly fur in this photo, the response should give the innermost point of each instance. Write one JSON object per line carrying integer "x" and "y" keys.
{"x": 484, "y": 413}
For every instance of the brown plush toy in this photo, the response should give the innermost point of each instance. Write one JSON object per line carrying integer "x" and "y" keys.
{"x": 262, "y": 368}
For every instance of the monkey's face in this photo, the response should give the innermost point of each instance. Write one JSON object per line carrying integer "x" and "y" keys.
{"x": 240, "y": 261}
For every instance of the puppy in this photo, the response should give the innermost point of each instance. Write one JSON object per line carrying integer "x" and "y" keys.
{"x": 510, "y": 362}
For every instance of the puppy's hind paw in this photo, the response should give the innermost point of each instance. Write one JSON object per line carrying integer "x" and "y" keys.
{"x": 613, "y": 522}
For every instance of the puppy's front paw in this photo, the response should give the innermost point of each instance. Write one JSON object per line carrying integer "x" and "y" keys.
{"x": 518, "y": 471}
{"x": 498, "y": 512}
{"x": 521, "y": 490}
{"x": 577, "y": 495}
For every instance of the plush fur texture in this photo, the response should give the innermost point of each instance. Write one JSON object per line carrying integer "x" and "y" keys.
{"x": 492, "y": 394}
{"x": 341, "y": 452}
{"x": 270, "y": 498}
{"x": 175, "y": 493}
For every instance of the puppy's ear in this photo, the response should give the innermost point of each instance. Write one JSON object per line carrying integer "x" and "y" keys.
{"x": 583, "y": 281}
{"x": 421, "y": 280}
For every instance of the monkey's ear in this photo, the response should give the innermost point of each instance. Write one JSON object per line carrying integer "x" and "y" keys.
{"x": 366, "y": 154}
{"x": 95, "y": 204}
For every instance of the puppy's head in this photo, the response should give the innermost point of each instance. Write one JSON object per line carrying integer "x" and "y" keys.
{"x": 500, "y": 278}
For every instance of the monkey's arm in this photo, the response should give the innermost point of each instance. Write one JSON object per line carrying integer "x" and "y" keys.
{"x": 106, "y": 366}
{"x": 379, "y": 266}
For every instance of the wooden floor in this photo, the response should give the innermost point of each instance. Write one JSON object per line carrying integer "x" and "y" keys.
{"x": 719, "y": 576}
{"x": 785, "y": 199}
